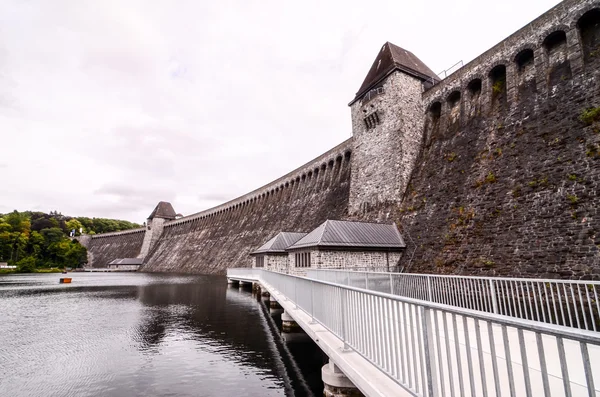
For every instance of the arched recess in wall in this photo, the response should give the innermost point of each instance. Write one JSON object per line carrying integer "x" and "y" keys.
{"x": 432, "y": 122}
{"x": 347, "y": 155}
{"x": 558, "y": 65}
{"x": 497, "y": 79}
{"x": 473, "y": 100}
{"x": 526, "y": 85}
{"x": 453, "y": 110}
{"x": 338, "y": 165}
{"x": 589, "y": 32}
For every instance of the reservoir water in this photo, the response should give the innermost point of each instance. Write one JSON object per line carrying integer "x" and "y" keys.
{"x": 135, "y": 334}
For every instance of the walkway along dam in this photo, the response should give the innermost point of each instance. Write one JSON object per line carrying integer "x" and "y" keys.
{"x": 491, "y": 171}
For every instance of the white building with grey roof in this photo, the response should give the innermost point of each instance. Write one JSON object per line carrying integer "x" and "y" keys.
{"x": 272, "y": 255}
{"x": 347, "y": 245}
{"x": 333, "y": 245}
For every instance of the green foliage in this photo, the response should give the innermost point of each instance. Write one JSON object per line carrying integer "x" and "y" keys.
{"x": 39, "y": 242}
{"x": 498, "y": 86}
{"x": 489, "y": 178}
{"x": 26, "y": 265}
{"x": 516, "y": 192}
{"x": 589, "y": 115}
{"x": 451, "y": 157}
{"x": 573, "y": 199}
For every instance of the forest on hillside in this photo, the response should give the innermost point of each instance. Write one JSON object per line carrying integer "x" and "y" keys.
{"x": 34, "y": 241}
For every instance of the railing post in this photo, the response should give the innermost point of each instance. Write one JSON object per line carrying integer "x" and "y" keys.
{"x": 391, "y": 284}
{"x": 429, "y": 351}
{"x": 366, "y": 280}
{"x": 493, "y": 296}
{"x": 295, "y": 293}
{"x": 344, "y": 292}
{"x": 429, "y": 289}
{"x": 312, "y": 302}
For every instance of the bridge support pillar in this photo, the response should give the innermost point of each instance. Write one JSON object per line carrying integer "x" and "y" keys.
{"x": 244, "y": 284}
{"x": 288, "y": 324}
{"x": 232, "y": 282}
{"x": 273, "y": 304}
{"x": 336, "y": 383}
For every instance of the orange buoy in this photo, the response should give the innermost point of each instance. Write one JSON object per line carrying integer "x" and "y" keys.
{"x": 66, "y": 280}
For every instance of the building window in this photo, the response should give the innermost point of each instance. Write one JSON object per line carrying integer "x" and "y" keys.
{"x": 260, "y": 261}
{"x": 372, "y": 120}
{"x": 302, "y": 259}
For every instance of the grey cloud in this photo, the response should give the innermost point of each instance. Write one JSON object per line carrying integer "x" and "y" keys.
{"x": 149, "y": 102}
{"x": 220, "y": 197}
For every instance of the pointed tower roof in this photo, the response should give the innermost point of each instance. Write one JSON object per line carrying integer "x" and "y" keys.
{"x": 345, "y": 234}
{"x": 390, "y": 58}
{"x": 279, "y": 243}
{"x": 163, "y": 210}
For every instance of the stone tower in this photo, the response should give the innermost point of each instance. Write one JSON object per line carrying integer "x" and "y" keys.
{"x": 154, "y": 226}
{"x": 387, "y": 126}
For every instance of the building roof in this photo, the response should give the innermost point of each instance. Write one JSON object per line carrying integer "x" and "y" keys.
{"x": 390, "y": 58}
{"x": 345, "y": 234}
{"x": 279, "y": 243}
{"x": 163, "y": 210}
{"x": 127, "y": 261}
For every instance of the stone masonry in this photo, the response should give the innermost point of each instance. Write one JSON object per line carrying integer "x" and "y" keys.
{"x": 492, "y": 171}
{"x": 384, "y": 154}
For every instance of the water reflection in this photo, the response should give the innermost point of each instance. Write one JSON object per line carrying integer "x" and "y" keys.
{"x": 148, "y": 335}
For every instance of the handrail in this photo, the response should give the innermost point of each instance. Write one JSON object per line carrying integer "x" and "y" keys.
{"x": 572, "y": 303}
{"x": 433, "y": 349}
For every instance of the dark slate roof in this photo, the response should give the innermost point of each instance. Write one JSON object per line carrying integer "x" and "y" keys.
{"x": 279, "y": 243}
{"x": 163, "y": 210}
{"x": 390, "y": 58}
{"x": 352, "y": 235}
{"x": 127, "y": 261}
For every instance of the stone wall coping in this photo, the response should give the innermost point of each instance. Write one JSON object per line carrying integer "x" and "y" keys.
{"x": 120, "y": 233}
{"x": 331, "y": 155}
{"x": 497, "y": 54}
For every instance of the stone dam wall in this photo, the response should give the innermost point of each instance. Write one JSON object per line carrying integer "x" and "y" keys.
{"x": 492, "y": 171}
{"x": 104, "y": 248}
{"x": 508, "y": 177}
{"x": 222, "y": 237}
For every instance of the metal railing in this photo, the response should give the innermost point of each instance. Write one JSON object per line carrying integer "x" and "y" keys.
{"x": 564, "y": 302}
{"x": 432, "y": 349}
{"x": 248, "y": 273}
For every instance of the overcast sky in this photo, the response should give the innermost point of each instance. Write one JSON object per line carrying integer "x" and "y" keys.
{"x": 107, "y": 107}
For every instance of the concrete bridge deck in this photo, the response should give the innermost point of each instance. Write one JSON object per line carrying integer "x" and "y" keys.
{"x": 390, "y": 345}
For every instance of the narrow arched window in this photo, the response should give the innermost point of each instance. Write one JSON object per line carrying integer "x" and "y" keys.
{"x": 589, "y": 31}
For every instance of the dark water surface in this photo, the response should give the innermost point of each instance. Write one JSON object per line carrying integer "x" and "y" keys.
{"x": 134, "y": 334}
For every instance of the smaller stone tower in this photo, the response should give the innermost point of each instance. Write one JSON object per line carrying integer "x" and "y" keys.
{"x": 154, "y": 226}
{"x": 387, "y": 126}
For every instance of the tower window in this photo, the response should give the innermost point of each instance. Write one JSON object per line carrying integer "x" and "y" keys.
{"x": 372, "y": 120}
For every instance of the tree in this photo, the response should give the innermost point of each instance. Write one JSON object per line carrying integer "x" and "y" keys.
{"x": 18, "y": 222}
{"x": 43, "y": 223}
{"x": 74, "y": 224}
{"x": 26, "y": 265}
{"x": 76, "y": 255}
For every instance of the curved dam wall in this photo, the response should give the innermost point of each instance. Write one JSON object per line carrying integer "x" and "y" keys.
{"x": 104, "y": 248}
{"x": 222, "y": 237}
{"x": 508, "y": 177}
{"x": 495, "y": 170}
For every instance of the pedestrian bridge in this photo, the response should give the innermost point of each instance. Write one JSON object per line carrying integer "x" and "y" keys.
{"x": 423, "y": 335}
